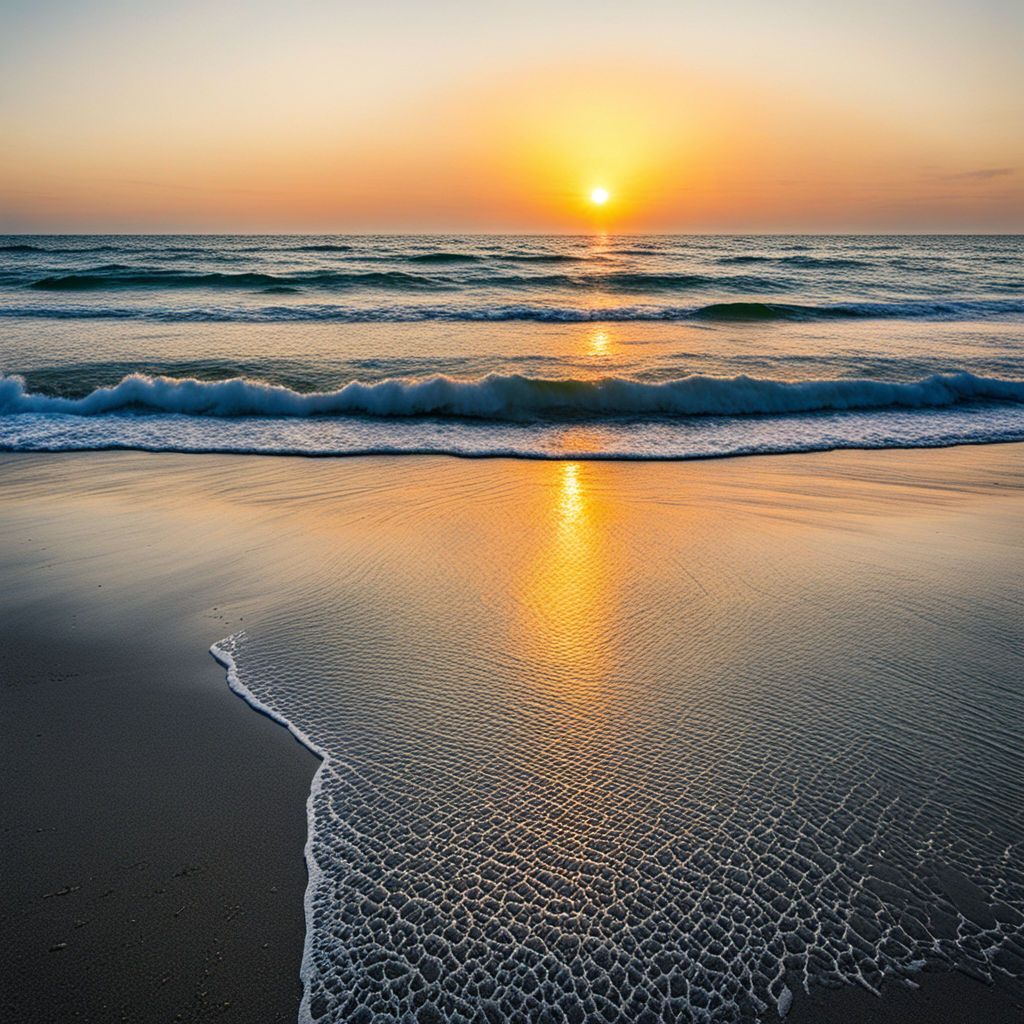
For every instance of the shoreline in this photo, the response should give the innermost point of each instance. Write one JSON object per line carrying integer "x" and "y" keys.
{"x": 429, "y": 453}
{"x": 235, "y": 684}
{"x": 107, "y": 659}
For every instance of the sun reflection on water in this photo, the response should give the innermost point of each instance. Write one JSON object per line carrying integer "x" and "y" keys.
{"x": 599, "y": 342}
{"x": 571, "y": 506}
{"x": 566, "y": 629}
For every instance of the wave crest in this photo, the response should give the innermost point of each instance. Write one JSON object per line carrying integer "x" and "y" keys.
{"x": 514, "y": 397}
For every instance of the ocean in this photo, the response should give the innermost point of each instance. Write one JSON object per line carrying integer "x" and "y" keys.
{"x": 653, "y": 347}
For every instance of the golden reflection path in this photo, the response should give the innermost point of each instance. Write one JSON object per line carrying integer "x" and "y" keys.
{"x": 598, "y": 342}
{"x": 570, "y": 635}
{"x": 566, "y": 629}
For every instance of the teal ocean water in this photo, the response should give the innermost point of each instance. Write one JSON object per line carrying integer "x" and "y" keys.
{"x": 589, "y": 347}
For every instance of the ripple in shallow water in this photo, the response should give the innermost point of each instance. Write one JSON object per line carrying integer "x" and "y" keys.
{"x": 591, "y": 757}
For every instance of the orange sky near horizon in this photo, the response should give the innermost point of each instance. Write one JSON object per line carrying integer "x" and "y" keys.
{"x": 271, "y": 134}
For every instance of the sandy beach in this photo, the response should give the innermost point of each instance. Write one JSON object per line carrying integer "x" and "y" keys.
{"x": 154, "y": 824}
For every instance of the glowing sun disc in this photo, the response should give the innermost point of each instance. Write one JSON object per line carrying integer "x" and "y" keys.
{"x": 600, "y": 196}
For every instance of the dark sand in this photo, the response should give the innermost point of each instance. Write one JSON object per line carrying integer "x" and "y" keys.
{"x": 153, "y": 824}
{"x": 944, "y": 997}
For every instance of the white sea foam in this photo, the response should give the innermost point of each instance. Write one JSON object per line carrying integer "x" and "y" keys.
{"x": 611, "y": 438}
{"x": 223, "y": 652}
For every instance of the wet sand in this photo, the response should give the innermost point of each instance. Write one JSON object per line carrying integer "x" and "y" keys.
{"x": 153, "y": 824}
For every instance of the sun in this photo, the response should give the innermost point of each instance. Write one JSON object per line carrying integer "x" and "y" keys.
{"x": 600, "y": 196}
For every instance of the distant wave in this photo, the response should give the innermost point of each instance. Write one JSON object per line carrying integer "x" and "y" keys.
{"x": 117, "y": 277}
{"x": 682, "y": 282}
{"x": 58, "y": 250}
{"x": 515, "y": 397}
{"x": 628, "y": 282}
{"x": 765, "y": 312}
{"x": 442, "y": 257}
{"x": 540, "y": 257}
{"x": 807, "y": 262}
{"x": 924, "y": 309}
{"x": 332, "y": 247}
{"x": 631, "y": 281}
{"x": 232, "y": 251}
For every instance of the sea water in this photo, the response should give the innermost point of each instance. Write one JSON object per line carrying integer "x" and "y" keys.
{"x": 546, "y": 347}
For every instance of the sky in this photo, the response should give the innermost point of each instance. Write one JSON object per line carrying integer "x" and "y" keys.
{"x": 456, "y": 116}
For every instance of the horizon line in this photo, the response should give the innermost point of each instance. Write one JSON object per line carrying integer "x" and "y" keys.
{"x": 516, "y": 234}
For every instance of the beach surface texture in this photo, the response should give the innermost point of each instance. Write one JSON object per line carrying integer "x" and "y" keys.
{"x": 584, "y": 740}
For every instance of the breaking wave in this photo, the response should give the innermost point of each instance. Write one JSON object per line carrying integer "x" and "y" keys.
{"x": 515, "y": 397}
